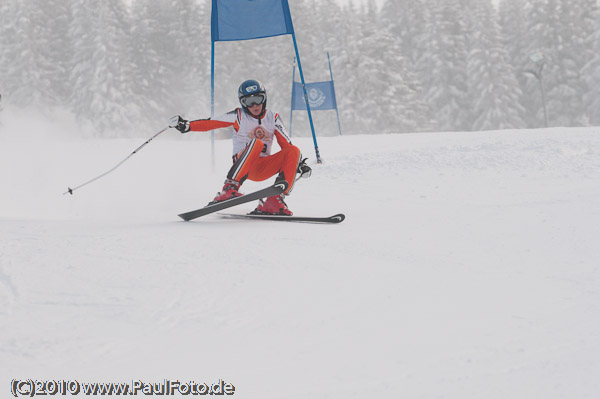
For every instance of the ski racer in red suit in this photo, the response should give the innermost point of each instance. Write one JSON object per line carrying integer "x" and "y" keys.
{"x": 255, "y": 130}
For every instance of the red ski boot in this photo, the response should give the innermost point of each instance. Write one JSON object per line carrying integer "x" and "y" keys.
{"x": 272, "y": 206}
{"x": 230, "y": 190}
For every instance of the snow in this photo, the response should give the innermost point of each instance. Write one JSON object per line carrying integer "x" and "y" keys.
{"x": 468, "y": 267}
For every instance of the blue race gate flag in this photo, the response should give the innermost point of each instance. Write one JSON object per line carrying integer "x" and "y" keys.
{"x": 321, "y": 96}
{"x": 250, "y": 19}
{"x": 318, "y": 96}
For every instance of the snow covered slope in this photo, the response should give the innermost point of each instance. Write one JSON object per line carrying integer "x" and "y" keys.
{"x": 468, "y": 267}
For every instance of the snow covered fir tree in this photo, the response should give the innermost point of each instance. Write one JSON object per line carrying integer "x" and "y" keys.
{"x": 121, "y": 67}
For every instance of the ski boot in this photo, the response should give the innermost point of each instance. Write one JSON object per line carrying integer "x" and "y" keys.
{"x": 272, "y": 206}
{"x": 230, "y": 190}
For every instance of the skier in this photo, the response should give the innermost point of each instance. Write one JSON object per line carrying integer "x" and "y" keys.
{"x": 255, "y": 128}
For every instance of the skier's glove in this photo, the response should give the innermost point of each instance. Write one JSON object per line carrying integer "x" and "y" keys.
{"x": 304, "y": 169}
{"x": 180, "y": 124}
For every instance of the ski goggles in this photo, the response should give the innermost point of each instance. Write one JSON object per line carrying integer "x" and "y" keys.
{"x": 254, "y": 99}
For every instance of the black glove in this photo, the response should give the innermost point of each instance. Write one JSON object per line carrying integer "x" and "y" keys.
{"x": 304, "y": 169}
{"x": 180, "y": 124}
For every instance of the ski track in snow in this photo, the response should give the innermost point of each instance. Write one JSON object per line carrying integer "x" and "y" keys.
{"x": 468, "y": 266}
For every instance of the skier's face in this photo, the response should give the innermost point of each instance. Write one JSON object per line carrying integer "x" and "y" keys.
{"x": 255, "y": 109}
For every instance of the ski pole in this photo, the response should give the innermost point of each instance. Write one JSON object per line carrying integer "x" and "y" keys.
{"x": 70, "y": 190}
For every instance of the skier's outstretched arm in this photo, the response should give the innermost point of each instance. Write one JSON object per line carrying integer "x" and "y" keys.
{"x": 205, "y": 125}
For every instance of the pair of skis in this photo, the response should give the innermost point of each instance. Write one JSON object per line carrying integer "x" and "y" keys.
{"x": 277, "y": 188}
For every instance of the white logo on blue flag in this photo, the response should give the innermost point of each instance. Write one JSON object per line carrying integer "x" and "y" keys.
{"x": 316, "y": 97}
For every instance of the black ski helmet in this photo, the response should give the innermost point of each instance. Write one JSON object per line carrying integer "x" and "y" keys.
{"x": 252, "y": 92}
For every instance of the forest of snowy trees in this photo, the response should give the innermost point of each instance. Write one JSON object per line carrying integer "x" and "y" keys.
{"x": 124, "y": 67}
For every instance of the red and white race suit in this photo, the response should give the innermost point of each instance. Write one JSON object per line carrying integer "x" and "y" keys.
{"x": 252, "y": 144}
